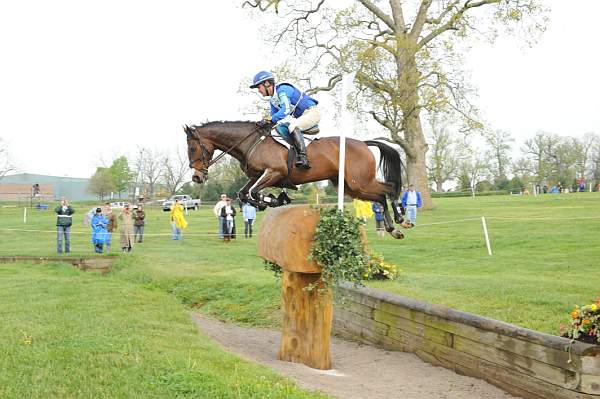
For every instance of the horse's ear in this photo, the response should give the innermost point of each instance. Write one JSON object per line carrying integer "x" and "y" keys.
{"x": 187, "y": 131}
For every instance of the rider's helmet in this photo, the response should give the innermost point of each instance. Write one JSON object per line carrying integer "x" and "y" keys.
{"x": 261, "y": 77}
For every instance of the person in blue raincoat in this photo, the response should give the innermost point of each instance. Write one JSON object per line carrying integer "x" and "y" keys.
{"x": 293, "y": 110}
{"x": 99, "y": 230}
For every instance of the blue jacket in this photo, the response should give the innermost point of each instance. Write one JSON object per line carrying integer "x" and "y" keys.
{"x": 378, "y": 211}
{"x": 99, "y": 231}
{"x": 405, "y": 197}
{"x": 288, "y": 100}
{"x": 249, "y": 211}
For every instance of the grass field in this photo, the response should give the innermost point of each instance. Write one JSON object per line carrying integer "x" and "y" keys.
{"x": 127, "y": 334}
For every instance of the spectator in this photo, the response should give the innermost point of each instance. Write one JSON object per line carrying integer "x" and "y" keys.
{"x": 63, "y": 225}
{"x": 217, "y": 212}
{"x": 228, "y": 214}
{"x": 99, "y": 231}
{"x": 112, "y": 224}
{"x": 362, "y": 209}
{"x": 138, "y": 223}
{"x": 178, "y": 222}
{"x": 126, "y": 230}
{"x": 379, "y": 223}
{"x": 249, "y": 213}
{"x": 411, "y": 200}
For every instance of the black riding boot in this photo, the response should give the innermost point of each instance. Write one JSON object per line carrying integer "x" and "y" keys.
{"x": 302, "y": 160}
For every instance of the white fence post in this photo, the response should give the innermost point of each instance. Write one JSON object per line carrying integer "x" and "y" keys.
{"x": 25, "y": 215}
{"x": 487, "y": 238}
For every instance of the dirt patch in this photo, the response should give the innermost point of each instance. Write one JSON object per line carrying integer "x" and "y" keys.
{"x": 360, "y": 371}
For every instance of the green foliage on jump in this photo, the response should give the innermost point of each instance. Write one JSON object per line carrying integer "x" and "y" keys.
{"x": 338, "y": 248}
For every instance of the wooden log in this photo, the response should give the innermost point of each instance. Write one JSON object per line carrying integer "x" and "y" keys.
{"x": 306, "y": 322}
{"x": 286, "y": 237}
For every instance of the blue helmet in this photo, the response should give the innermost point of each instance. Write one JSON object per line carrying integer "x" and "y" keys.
{"x": 261, "y": 77}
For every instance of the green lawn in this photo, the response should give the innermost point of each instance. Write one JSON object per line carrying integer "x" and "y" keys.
{"x": 127, "y": 334}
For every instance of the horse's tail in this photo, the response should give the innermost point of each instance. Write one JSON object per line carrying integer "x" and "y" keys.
{"x": 390, "y": 163}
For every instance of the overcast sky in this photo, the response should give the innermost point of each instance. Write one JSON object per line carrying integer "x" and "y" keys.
{"x": 83, "y": 82}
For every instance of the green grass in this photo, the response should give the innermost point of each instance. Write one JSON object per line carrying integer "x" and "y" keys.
{"x": 545, "y": 261}
{"x": 68, "y": 334}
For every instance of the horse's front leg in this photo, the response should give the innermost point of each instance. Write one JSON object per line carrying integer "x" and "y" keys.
{"x": 244, "y": 193}
{"x": 269, "y": 178}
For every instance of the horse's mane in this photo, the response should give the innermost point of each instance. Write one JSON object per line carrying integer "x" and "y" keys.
{"x": 214, "y": 123}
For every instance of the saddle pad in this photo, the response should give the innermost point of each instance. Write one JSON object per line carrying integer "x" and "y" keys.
{"x": 281, "y": 140}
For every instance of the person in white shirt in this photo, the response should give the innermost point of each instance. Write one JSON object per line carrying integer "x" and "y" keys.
{"x": 411, "y": 200}
{"x": 217, "y": 212}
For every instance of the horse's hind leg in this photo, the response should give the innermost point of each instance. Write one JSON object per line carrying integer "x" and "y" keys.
{"x": 380, "y": 197}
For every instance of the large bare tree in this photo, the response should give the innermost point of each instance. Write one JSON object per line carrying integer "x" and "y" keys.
{"x": 445, "y": 155}
{"x": 403, "y": 53}
{"x": 175, "y": 169}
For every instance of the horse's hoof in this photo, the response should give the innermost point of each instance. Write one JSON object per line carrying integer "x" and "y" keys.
{"x": 397, "y": 234}
{"x": 406, "y": 224}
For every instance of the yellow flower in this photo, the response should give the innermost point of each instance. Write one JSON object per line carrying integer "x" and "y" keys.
{"x": 594, "y": 307}
{"x": 585, "y": 322}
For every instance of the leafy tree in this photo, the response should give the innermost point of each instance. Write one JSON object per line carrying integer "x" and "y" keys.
{"x": 403, "y": 67}
{"x": 101, "y": 183}
{"x": 121, "y": 174}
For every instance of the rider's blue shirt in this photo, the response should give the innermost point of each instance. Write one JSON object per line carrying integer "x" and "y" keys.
{"x": 288, "y": 100}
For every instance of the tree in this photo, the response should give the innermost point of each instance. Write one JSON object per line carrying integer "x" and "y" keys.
{"x": 148, "y": 169}
{"x": 499, "y": 143}
{"x": 121, "y": 174}
{"x": 402, "y": 67}
{"x": 5, "y": 164}
{"x": 101, "y": 183}
{"x": 583, "y": 150}
{"x": 444, "y": 155}
{"x": 175, "y": 169}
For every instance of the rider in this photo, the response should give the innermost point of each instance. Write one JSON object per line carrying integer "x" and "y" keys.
{"x": 291, "y": 107}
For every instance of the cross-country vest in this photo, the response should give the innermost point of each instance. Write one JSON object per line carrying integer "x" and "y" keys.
{"x": 299, "y": 102}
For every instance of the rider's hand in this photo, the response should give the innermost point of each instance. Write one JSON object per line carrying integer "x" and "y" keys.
{"x": 263, "y": 123}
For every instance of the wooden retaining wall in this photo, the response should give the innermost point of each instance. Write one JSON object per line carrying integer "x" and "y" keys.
{"x": 520, "y": 361}
{"x": 91, "y": 264}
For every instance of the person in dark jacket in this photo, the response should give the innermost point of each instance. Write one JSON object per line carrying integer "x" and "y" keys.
{"x": 228, "y": 214}
{"x": 63, "y": 225}
{"x": 139, "y": 217}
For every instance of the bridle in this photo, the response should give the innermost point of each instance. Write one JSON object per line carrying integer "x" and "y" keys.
{"x": 204, "y": 154}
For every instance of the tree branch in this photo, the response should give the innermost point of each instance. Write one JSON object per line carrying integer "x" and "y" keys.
{"x": 379, "y": 14}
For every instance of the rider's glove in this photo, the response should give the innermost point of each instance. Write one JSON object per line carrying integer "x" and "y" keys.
{"x": 263, "y": 123}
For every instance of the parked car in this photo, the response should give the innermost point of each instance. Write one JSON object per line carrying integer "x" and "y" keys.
{"x": 184, "y": 200}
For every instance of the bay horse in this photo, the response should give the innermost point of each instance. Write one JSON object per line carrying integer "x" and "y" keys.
{"x": 268, "y": 164}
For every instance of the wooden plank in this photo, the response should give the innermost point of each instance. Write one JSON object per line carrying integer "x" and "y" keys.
{"x": 395, "y": 323}
{"x": 590, "y": 384}
{"x": 550, "y": 355}
{"x": 554, "y": 375}
{"x": 362, "y": 321}
{"x": 468, "y": 319}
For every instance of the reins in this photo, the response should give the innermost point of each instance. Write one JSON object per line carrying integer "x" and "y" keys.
{"x": 222, "y": 154}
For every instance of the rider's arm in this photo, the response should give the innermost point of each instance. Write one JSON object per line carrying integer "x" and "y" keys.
{"x": 285, "y": 109}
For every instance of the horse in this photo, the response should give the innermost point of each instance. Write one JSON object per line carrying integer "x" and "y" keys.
{"x": 269, "y": 164}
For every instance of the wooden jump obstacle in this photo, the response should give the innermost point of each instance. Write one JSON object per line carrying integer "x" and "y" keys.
{"x": 286, "y": 236}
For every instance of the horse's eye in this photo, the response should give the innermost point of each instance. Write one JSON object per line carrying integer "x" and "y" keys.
{"x": 192, "y": 149}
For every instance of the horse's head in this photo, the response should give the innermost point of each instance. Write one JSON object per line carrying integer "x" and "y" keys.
{"x": 200, "y": 153}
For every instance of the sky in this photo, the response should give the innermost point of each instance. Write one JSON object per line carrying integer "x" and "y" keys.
{"x": 82, "y": 82}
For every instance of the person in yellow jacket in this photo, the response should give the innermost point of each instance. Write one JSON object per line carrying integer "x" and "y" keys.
{"x": 362, "y": 209}
{"x": 178, "y": 222}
